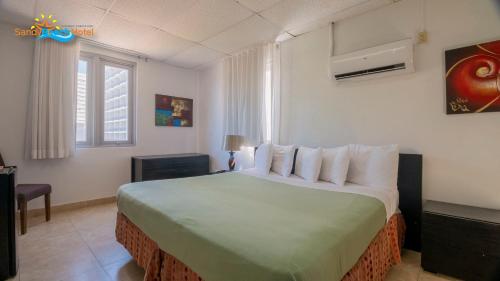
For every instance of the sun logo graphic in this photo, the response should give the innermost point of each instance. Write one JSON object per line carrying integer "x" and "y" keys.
{"x": 46, "y": 27}
{"x": 42, "y": 22}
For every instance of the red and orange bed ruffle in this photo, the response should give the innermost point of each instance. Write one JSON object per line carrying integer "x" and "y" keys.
{"x": 383, "y": 252}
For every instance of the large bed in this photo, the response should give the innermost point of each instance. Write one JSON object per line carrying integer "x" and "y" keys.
{"x": 244, "y": 226}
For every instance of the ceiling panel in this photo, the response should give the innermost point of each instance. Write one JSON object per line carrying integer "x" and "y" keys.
{"x": 206, "y": 18}
{"x": 152, "y": 12}
{"x": 161, "y": 45}
{"x": 102, "y": 4}
{"x": 167, "y": 29}
{"x": 292, "y": 14}
{"x": 122, "y": 33}
{"x": 70, "y": 12}
{"x": 251, "y": 31}
{"x": 319, "y": 22}
{"x": 194, "y": 57}
{"x": 258, "y": 5}
{"x": 19, "y": 12}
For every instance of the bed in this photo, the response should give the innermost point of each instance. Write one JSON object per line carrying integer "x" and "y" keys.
{"x": 242, "y": 226}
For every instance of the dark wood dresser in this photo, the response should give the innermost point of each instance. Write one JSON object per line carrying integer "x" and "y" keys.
{"x": 169, "y": 166}
{"x": 8, "y": 233}
{"x": 461, "y": 241}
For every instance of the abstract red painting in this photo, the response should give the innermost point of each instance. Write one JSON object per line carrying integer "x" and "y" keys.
{"x": 473, "y": 78}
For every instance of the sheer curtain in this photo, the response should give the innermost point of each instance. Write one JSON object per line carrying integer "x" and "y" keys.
{"x": 274, "y": 101}
{"x": 50, "y": 123}
{"x": 251, "y": 94}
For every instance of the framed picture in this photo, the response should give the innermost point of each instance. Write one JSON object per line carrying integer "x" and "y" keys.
{"x": 173, "y": 111}
{"x": 473, "y": 78}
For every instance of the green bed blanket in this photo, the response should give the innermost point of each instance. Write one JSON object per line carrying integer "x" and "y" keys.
{"x": 236, "y": 227}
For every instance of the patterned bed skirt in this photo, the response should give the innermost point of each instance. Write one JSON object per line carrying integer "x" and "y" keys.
{"x": 383, "y": 252}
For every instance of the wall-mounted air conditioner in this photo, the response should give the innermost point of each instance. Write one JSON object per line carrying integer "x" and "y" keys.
{"x": 384, "y": 60}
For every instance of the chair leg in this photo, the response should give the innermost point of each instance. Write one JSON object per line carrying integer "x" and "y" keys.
{"x": 24, "y": 212}
{"x": 47, "y": 207}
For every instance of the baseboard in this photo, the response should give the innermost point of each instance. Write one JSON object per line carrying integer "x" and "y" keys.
{"x": 71, "y": 206}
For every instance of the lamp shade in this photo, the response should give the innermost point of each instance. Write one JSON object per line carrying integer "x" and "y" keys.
{"x": 233, "y": 142}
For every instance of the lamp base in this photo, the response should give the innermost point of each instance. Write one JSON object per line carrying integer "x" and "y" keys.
{"x": 232, "y": 162}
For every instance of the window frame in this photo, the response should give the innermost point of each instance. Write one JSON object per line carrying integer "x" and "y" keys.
{"x": 95, "y": 99}
{"x": 89, "y": 116}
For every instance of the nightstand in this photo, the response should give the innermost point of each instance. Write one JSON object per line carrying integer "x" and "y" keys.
{"x": 461, "y": 241}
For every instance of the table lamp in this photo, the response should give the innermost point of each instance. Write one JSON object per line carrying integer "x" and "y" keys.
{"x": 232, "y": 144}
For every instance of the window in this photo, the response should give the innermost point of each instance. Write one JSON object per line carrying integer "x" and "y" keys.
{"x": 81, "y": 102}
{"x": 116, "y": 96}
{"x": 105, "y": 96}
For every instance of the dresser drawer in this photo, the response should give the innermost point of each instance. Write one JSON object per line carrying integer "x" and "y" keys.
{"x": 473, "y": 236}
{"x": 460, "y": 247}
{"x": 172, "y": 173}
{"x": 199, "y": 161}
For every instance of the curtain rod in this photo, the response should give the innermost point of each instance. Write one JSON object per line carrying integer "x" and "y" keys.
{"x": 113, "y": 48}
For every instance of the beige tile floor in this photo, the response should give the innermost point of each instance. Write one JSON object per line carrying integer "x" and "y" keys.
{"x": 80, "y": 245}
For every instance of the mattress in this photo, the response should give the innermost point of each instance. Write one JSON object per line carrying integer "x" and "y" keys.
{"x": 238, "y": 226}
{"x": 389, "y": 196}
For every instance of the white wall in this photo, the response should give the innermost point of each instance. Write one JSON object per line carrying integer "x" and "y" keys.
{"x": 93, "y": 172}
{"x": 211, "y": 117}
{"x": 461, "y": 155}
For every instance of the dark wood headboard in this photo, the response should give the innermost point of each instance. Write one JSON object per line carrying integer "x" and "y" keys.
{"x": 410, "y": 197}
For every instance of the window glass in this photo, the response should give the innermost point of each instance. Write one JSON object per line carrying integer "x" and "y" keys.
{"x": 81, "y": 102}
{"x": 116, "y": 97}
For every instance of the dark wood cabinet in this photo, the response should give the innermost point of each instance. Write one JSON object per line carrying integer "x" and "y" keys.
{"x": 169, "y": 166}
{"x": 461, "y": 241}
{"x": 8, "y": 245}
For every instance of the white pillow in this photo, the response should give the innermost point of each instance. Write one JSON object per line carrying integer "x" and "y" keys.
{"x": 335, "y": 165}
{"x": 283, "y": 159}
{"x": 263, "y": 158}
{"x": 375, "y": 166}
{"x": 308, "y": 163}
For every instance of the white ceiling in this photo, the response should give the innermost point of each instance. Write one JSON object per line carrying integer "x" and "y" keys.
{"x": 188, "y": 33}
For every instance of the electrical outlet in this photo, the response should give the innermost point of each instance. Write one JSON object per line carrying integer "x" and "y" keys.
{"x": 422, "y": 37}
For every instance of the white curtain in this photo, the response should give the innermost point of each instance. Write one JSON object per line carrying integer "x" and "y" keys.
{"x": 275, "y": 90}
{"x": 50, "y": 124}
{"x": 251, "y": 94}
